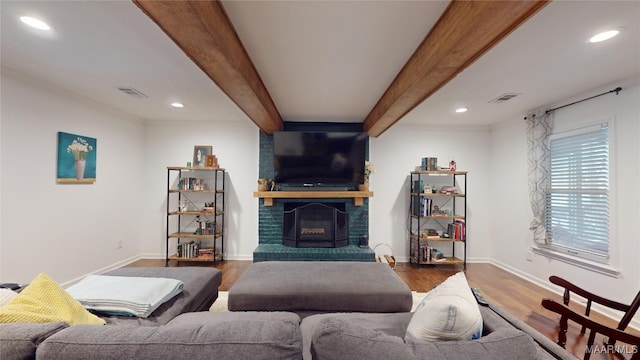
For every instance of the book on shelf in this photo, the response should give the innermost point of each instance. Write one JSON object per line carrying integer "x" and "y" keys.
{"x": 457, "y": 230}
{"x": 422, "y": 206}
{"x": 429, "y": 163}
{"x": 206, "y": 252}
{"x": 192, "y": 250}
{"x": 191, "y": 183}
{"x": 206, "y": 228}
{"x": 429, "y": 234}
{"x": 427, "y": 252}
{"x": 188, "y": 249}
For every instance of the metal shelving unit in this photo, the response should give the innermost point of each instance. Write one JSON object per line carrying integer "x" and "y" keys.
{"x": 195, "y": 214}
{"x": 444, "y": 212}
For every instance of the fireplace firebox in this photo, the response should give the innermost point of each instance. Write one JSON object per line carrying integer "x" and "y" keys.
{"x": 315, "y": 225}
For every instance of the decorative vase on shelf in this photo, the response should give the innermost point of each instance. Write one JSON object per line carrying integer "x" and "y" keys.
{"x": 262, "y": 185}
{"x": 365, "y": 186}
{"x": 80, "y": 165}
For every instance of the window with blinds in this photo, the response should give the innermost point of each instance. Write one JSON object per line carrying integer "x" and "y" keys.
{"x": 577, "y": 200}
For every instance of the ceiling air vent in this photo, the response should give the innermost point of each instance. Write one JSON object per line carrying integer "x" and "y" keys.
{"x": 132, "y": 92}
{"x": 504, "y": 97}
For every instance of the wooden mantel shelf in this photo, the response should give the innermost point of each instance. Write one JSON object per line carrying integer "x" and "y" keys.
{"x": 268, "y": 196}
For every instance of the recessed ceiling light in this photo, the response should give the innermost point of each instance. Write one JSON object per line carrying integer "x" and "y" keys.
{"x": 35, "y": 23}
{"x": 606, "y": 35}
{"x": 177, "y": 105}
{"x": 461, "y": 110}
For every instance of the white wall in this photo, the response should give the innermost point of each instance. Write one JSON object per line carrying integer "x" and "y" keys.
{"x": 236, "y": 146}
{"x": 66, "y": 231}
{"x": 511, "y": 241}
{"x": 398, "y": 151}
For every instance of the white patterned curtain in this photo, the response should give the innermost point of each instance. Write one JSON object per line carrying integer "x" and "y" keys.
{"x": 538, "y": 131}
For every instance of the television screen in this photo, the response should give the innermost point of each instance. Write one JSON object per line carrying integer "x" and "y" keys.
{"x": 319, "y": 158}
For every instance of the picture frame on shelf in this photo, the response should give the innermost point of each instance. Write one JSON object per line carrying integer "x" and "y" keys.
{"x": 211, "y": 161}
{"x": 200, "y": 153}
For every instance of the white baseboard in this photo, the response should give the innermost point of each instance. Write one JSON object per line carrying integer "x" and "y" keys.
{"x": 114, "y": 266}
{"x": 151, "y": 256}
{"x": 240, "y": 257}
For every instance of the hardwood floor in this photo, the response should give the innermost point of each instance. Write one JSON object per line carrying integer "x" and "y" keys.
{"x": 514, "y": 294}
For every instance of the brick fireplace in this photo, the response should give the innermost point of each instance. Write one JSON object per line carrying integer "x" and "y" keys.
{"x": 270, "y": 218}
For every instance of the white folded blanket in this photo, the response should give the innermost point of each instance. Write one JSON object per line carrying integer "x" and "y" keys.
{"x": 124, "y": 295}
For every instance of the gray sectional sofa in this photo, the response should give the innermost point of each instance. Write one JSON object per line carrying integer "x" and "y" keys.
{"x": 272, "y": 335}
{"x": 184, "y": 329}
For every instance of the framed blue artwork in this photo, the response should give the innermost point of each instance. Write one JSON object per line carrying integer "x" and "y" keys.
{"x": 76, "y": 159}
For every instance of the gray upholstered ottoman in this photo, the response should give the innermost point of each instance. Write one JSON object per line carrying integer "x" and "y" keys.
{"x": 307, "y": 287}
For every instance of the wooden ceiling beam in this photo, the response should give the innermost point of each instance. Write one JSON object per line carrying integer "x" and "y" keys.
{"x": 204, "y": 32}
{"x": 464, "y": 32}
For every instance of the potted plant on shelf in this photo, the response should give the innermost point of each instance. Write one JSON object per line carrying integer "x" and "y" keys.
{"x": 369, "y": 169}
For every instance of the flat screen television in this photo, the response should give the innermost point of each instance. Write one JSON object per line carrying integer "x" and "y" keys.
{"x": 319, "y": 159}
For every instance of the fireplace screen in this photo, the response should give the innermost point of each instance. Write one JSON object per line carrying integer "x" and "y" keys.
{"x": 315, "y": 225}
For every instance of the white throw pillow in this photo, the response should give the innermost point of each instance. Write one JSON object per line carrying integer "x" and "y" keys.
{"x": 448, "y": 312}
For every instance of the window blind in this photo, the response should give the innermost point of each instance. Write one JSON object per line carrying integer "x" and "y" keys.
{"x": 577, "y": 201}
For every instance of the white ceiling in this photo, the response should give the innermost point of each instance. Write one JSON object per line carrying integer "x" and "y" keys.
{"x": 320, "y": 60}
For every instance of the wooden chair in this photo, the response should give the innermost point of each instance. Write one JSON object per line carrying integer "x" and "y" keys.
{"x": 612, "y": 335}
